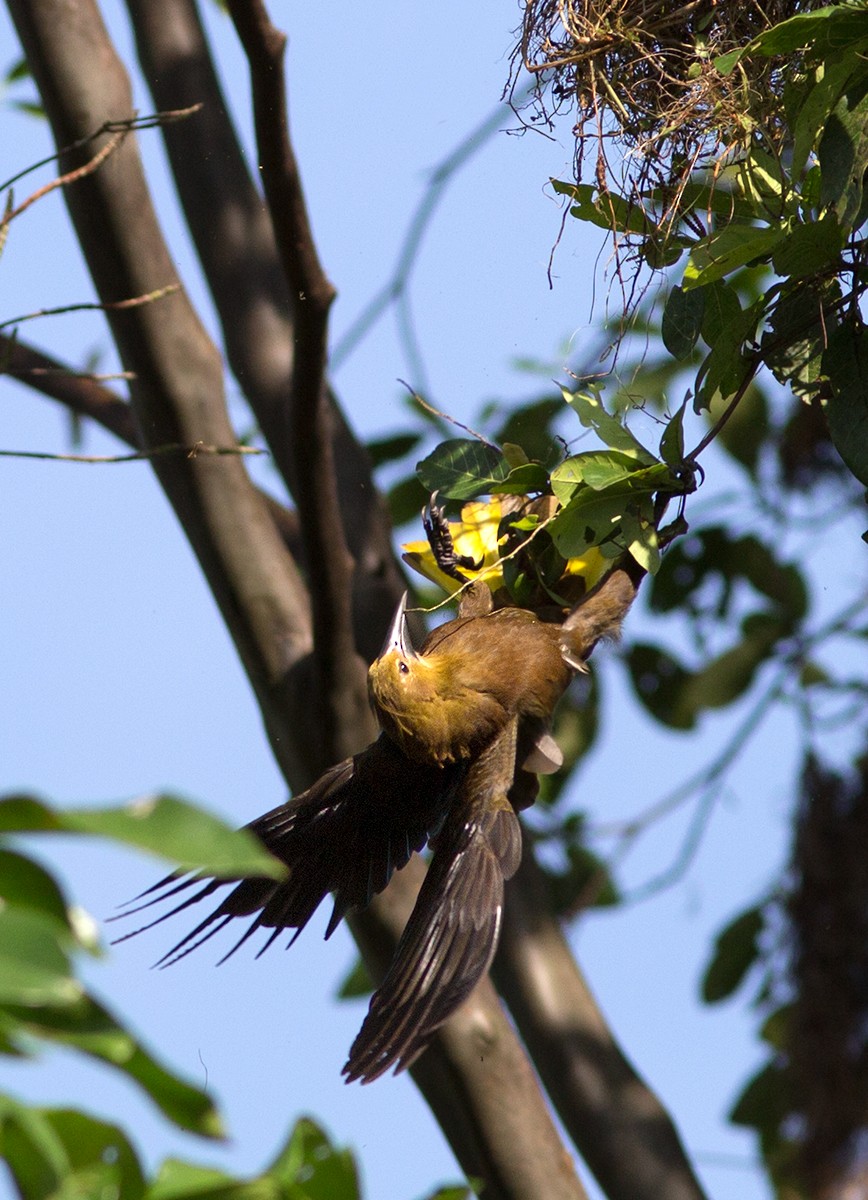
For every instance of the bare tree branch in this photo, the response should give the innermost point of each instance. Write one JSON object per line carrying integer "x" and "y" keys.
{"x": 81, "y": 395}
{"x": 340, "y": 694}
{"x": 234, "y": 238}
{"x": 618, "y": 1124}
{"x": 177, "y": 389}
{"x": 476, "y": 1076}
{"x": 87, "y": 397}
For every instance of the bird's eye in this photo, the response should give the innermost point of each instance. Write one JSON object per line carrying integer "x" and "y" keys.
{"x": 402, "y": 667}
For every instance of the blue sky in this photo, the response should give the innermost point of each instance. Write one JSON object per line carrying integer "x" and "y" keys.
{"x": 120, "y": 678}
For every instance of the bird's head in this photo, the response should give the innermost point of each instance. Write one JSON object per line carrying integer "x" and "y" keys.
{"x": 407, "y": 691}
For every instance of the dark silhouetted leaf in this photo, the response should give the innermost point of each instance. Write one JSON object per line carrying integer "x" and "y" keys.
{"x": 385, "y": 450}
{"x": 662, "y": 684}
{"x": 682, "y": 321}
{"x": 736, "y": 949}
{"x": 357, "y": 982}
{"x": 846, "y": 364}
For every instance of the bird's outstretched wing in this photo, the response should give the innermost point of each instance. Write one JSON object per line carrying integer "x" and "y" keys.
{"x": 346, "y": 834}
{"x": 452, "y": 933}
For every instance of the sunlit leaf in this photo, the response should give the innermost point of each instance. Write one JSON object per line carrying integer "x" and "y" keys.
{"x": 161, "y": 824}
{"x": 590, "y": 411}
{"x": 34, "y": 963}
{"x": 315, "y": 1166}
{"x": 589, "y": 519}
{"x": 26, "y": 884}
{"x": 462, "y": 468}
{"x": 87, "y": 1026}
{"x": 724, "y": 251}
{"x": 61, "y": 1154}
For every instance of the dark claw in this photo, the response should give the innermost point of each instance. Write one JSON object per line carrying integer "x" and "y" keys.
{"x": 440, "y": 540}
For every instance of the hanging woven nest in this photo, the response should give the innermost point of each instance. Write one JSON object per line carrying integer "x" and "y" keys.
{"x": 640, "y": 77}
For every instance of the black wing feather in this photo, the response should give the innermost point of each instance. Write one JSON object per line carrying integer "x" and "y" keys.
{"x": 346, "y": 834}
{"x": 452, "y": 933}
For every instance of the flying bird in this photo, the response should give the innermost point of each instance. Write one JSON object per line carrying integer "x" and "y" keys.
{"x": 464, "y": 731}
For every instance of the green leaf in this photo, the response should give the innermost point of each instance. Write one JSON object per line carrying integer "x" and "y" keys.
{"x": 590, "y": 411}
{"x": 87, "y": 1026}
{"x": 722, "y": 309}
{"x": 25, "y": 884}
{"x": 179, "y": 1180}
{"x": 736, "y": 949}
{"x": 60, "y": 1154}
{"x": 598, "y": 469}
{"x": 606, "y": 210}
{"x": 34, "y": 964}
{"x": 585, "y": 881}
{"x": 522, "y": 480}
{"x": 456, "y": 1191}
{"x": 308, "y": 1167}
{"x": 782, "y": 583}
{"x": 356, "y": 983}
{"x": 731, "y": 673}
{"x": 589, "y": 519}
{"x": 318, "y": 1169}
{"x": 714, "y": 554}
{"x": 845, "y": 362}
{"x": 809, "y": 248}
{"x": 640, "y": 536}
{"x": 406, "y": 500}
{"x": 724, "y": 370}
{"x": 747, "y": 429}
{"x": 20, "y": 69}
{"x": 765, "y": 1101}
{"x": 530, "y": 427}
{"x": 672, "y": 441}
{"x": 163, "y": 825}
{"x": 682, "y": 321}
{"x": 726, "y": 250}
{"x": 816, "y": 102}
{"x": 843, "y": 151}
{"x": 775, "y": 1030}
{"x": 798, "y": 333}
{"x": 822, "y": 30}
{"x": 661, "y": 684}
{"x": 462, "y": 468}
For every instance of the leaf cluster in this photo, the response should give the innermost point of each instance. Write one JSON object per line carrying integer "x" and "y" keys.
{"x": 770, "y": 243}
{"x": 608, "y": 499}
{"x": 54, "y": 1153}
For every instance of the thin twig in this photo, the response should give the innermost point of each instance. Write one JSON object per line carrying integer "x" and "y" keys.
{"x": 140, "y": 455}
{"x": 435, "y": 412}
{"x": 63, "y": 180}
{"x": 122, "y": 126}
{"x": 77, "y": 391}
{"x": 94, "y": 306}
